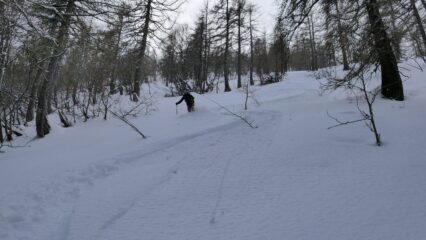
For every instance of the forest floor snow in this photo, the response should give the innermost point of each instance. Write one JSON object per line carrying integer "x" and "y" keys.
{"x": 207, "y": 175}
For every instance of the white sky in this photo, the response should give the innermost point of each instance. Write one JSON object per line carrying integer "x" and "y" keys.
{"x": 267, "y": 9}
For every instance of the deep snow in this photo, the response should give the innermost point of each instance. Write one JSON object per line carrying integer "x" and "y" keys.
{"x": 207, "y": 175}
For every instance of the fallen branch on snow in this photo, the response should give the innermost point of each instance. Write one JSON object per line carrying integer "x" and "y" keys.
{"x": 234, "y": 114}
{"x": 128, "y": 123}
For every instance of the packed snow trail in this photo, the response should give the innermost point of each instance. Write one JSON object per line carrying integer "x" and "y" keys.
{"x": 206, "y": 175}
{"x": 245, "y": 184}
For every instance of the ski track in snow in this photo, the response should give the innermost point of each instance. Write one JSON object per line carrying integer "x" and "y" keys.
{"x": 288, "y": 179}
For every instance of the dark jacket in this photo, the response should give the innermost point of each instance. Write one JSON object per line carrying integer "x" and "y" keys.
{"x": 189, "y": 99}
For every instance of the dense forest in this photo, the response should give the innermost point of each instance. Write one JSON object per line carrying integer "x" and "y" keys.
{"x": 70, "y": 57}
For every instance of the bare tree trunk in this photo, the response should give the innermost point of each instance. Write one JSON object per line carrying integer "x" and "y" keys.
{"x": 42, "y": 124}
{"x": 206, "y": 46}
{"x": 370, "y": 115}
{"x": 251, "y": 46}
{"x": 112, "y": 87}
{"x": 396, "y": 39}
{"x": 314, "y": 64}
{"x": 391, "y": 80}
{"x": 1, "y": 131}
{"x": 239, "y": 13}
{"x": 7, "y": 133}
{"x": 10, "y": 132}
{"x": 29, "y": 116}
{"x": 225, "y": 62}
{"x": 2, "y": 46}
{"x": 5, "y": 44}
{"x": 342, "y": 38}
{"x": 141, "y": 54}
{"x": 52, "y": 93}
{"x": 419, "y": 22}
{"x": 74, "y": 93}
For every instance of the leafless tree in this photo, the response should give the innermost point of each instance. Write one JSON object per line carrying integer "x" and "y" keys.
{"x": 296, "y": 12}
{"x": 223, "y": 13}
{"x": 358, "y": 85}
{"x": 155, "y": 14}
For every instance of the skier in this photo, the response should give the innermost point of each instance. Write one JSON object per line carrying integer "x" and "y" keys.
{"x": 189, "y": 100}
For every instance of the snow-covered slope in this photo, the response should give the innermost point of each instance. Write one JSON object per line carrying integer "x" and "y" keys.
{"x": 207, "y": 175}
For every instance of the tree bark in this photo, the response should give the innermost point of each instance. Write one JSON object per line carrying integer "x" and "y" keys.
{"x": 239, "y": 46}
{"x": 141, "y": 54}
{"x": 419, "y": 23}
{"x": 251, "y": 47}
{"x": 342, "y": 38}
{"x": 396, "y": 38}
{"x": 314, "y": 64}
{"x": 226, "y": 67}
{"x": 2, "y": 46}
{"x": 1, "y": 131}
{"x": 5, "y": 44}
{"x": 112, "y": 87}
{"x": 391, "y": 80}
{"x": 42, "y": 124}
{"x": 206, "y": 47}
{"x": 29, "y": 116}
